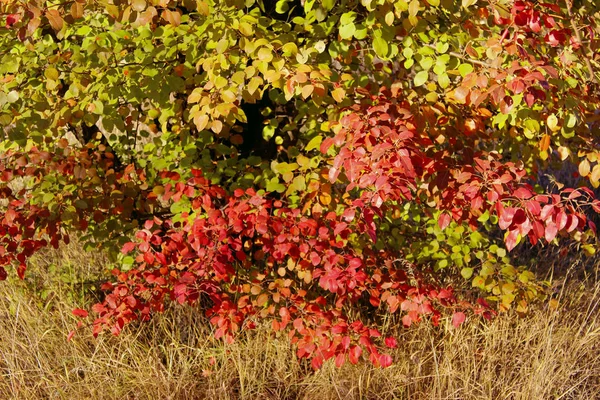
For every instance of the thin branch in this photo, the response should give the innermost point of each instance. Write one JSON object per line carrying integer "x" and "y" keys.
{"x": 460, "y": 56}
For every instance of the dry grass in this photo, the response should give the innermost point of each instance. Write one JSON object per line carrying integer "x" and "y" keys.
{"x": 551, "y": 354}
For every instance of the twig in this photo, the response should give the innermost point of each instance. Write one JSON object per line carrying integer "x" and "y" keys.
{"x": 460, "y": 56}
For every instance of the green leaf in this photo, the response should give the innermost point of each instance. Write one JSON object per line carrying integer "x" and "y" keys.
{"x": 421, "y": 78}
{"x": 12, "y": 96}
{"x": 443, "y": 80}
{"x": 347, "y": 31}
{"x": 282, "y": 6}
{"x": 442, "y": 47}
{"x": 51, "y": 73}
{"x": 81, "y": 204}
{"x": 98, "y": 107}
{"x": 465, "y": 69}
{"x": 48, "y": 197}
{"x": 328, "y": 4}
{"x": 381, "y": 47}
{"x": 180, "y": 207}
{"x": 314, "y": 143}
{"x": 426, "y": 63}
{"x": 570, "y": 121}
{"x": 347, "y": 18}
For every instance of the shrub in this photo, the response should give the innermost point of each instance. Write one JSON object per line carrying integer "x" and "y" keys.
{"x": 321, "y": 164}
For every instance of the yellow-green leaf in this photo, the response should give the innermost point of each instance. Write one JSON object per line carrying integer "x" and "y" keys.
{"x": 421, "y": 78}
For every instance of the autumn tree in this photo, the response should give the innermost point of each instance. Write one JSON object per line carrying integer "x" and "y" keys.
{"x": 319, "y": 164}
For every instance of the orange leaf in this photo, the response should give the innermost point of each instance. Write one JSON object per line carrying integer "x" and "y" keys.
{"x": 76, "y": 10}
{"x": 172, "y": 17}
{"x": 460, "y": 94}
{"x": 545, "y": 143}
{"x": 56, "y": 21}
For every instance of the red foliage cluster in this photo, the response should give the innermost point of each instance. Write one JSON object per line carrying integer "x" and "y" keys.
{"x": 247, "y": 243}
{"x": 383, "y": 154}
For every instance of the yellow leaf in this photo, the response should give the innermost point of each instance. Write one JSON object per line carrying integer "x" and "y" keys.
{"x": 216, "y": 126}
{"x": 389, "y": 18}
{"x": 595, "y": 177}
{"x": 272, "y": 76}
{"x": 195, "y": 96}
{"x": 307, "y": 91}
{"x": 265, "y": 54}
{"x": 338, "y": 94}
{"x": 314, "y": 143}
{"x": 552, "y": 122}
{"x": 246, "y": 29}
{"x": 584, "y": 168}
{"x": 563, "y": 152}
{"x": 228, "y": 96}
{"x": 201, "y": 121}
{"x": 413, "y": 8}
{"x": 202, "y": 7}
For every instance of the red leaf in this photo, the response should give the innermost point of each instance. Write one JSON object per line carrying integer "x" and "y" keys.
{"x": 596, "y": 205}
{"x": 315, "y": 259}
{"x": 3, "y": 274}
{"x": 573, "y": 223}
{"x": 349, "y": 214}
{"x": 161, "y": 258}
{"x": 458, "y": 318}
{"x": 21, "y": 270}
{"x": 354, "y": 354}
{"x": 511, "y": 239}
{"x": 547, "y": 210}
{"x": 519, "y": 217}
{"x": 523, "y": 193}
{"x": 506, "y": 218}
{"x": 550, "y": 232}
{"x": 149, "y": 258}
{"x": 12, "y": 19}
{"x": 444, "y": 221}
{"x": 561, "y": 220}
{"x": 391, "y": 342}
{"x": 70, "y": 336}
{"x": 128, "y": 247}
{"x": 316, "y": 362}
{"x": 78, "y": 312}
{"x": 326, "y": 144}
{"x": 339, "y": 360}
{"x": 385, "y": 360}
